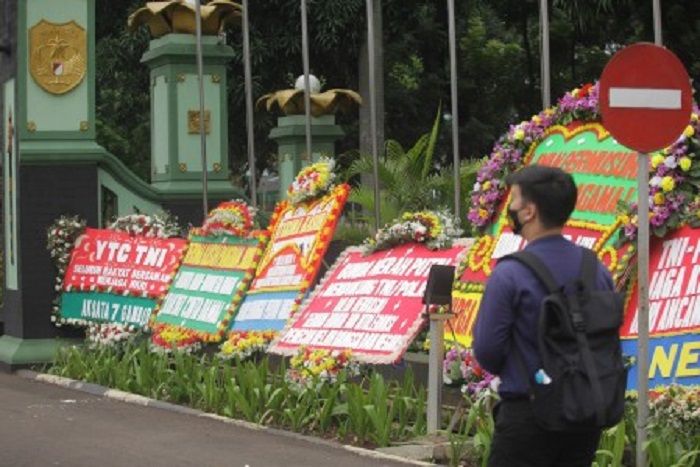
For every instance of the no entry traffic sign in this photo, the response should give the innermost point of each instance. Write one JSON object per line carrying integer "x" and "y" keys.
{"x": 645, "y": 97}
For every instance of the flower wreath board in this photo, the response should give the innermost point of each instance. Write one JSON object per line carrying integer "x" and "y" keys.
{"x": 211, "y": 283}
{"x": 299, "y": 237}
{"x": 370, "y": 304}
{"x": 674, "y": 310}
{"x": 571, "y": 137}
{"x": 116, "y": 277}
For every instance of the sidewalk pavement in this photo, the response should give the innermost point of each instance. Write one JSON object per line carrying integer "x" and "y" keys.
{"x": 45, "y": 425}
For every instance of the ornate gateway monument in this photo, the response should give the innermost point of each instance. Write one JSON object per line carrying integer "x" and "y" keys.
{"x": 52, "y": 165}
{"x": 176, "y": 163}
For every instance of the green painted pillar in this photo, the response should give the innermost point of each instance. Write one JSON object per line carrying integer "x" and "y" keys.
{"x": 290, "y": 135}
{"x": 176, "y": 164}
{"x": 49, "y": 112}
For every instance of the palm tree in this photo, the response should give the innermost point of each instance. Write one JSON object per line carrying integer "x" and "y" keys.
{"x": 408, "y": 179}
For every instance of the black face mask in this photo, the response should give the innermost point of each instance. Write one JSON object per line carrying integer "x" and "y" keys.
{"x": 517, "y": 225}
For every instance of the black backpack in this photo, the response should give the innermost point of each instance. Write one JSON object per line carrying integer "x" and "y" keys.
{"x": 581, "y": 385}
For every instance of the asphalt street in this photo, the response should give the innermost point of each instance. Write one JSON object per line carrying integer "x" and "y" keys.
{"x": 46, "y": 425}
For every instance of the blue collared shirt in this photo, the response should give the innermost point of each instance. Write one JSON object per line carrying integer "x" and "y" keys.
{"x": 510, "y": 310}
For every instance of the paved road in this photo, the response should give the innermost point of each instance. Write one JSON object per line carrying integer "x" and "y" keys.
{"x": 45, "y": 425}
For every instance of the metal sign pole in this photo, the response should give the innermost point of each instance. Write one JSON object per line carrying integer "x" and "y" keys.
{"x": 544, "y": 31}
{"x": 307, "y": 84}
{"x": 436, "y": 357}
{"x": 249, "y": 104}
{"x": 455, "y": 107}
{"x": 373, "y": 110}
{"x": 638, "y": 118}
{"x": 642, "y": 303}
{"x": 657, "y": 23}
{"x": 643, "y": 283}
{"x": 202, "y": 134}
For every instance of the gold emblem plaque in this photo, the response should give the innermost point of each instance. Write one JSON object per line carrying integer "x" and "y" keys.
{"x": 193, "y": 122}
{"x": 57, "y": 55}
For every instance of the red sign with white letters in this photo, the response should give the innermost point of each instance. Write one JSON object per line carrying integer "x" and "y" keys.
{"x": 111, "y": 261}
{"x": 645, "y": 97}
{"x": 369, "y": 304}
{"x": 674, "y": 287}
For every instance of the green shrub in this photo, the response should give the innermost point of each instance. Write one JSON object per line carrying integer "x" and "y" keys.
{"x": 368, "y": 410}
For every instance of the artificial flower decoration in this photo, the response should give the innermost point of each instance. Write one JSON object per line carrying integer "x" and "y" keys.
{"x": 691, "y": 213}
{"x": 674, "y": 181}
{"x": 508, "y": 152}
{"x": 61, "y": 237}
{"x": 229, "y": 218}
{"x": 162, "y": 225}
{"x": 168, "y": 339}
{"x": 312, "y": 181}
{"x": 243, "y": 344}
{"x": 437, "y": 229}
{"x": 318, "y": 366}
{"x": 685, "y": 163}
{"x": 108, "y": 334}
{"x": 438, "y": 309}
{"x": 689, "y": 131}
{"x": 678, "y": 407}
{"x": 460, "y": 368}
{"x": 673, "y": 171}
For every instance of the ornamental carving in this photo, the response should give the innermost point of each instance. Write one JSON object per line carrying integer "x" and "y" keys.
{"x": 193, "y": 124}
{"x": 178, "y": 16}
{"x": 57, "y": 55}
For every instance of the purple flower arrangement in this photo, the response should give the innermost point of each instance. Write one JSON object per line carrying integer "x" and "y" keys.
{"x": 507, "y": 154}
{"x": 461, "y": 368}
{"x": 674, "y": 177}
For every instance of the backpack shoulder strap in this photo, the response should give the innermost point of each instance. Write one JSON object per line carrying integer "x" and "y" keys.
{"x": 589, "y": 267}
{"x": 537, "y": 267}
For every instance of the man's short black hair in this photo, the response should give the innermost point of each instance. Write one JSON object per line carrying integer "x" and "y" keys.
{"x": 551, "y": 189}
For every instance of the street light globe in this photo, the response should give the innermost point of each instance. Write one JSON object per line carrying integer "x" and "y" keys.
{"x": 314, "y": 84}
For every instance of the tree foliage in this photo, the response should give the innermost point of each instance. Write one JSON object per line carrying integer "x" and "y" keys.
{"x": 409, "y": 178}
{"x": 122, "y": 87}
{"x": 336, "y": 30}
{"x": 498, "y": 64}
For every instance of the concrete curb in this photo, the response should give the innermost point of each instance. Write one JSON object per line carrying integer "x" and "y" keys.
{"x": 135, "y": 399}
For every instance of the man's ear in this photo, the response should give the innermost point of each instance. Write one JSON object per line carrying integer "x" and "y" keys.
{"x": 530, "y": 211}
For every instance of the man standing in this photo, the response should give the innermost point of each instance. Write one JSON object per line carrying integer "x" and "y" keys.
{"x": 505, "y": 334}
